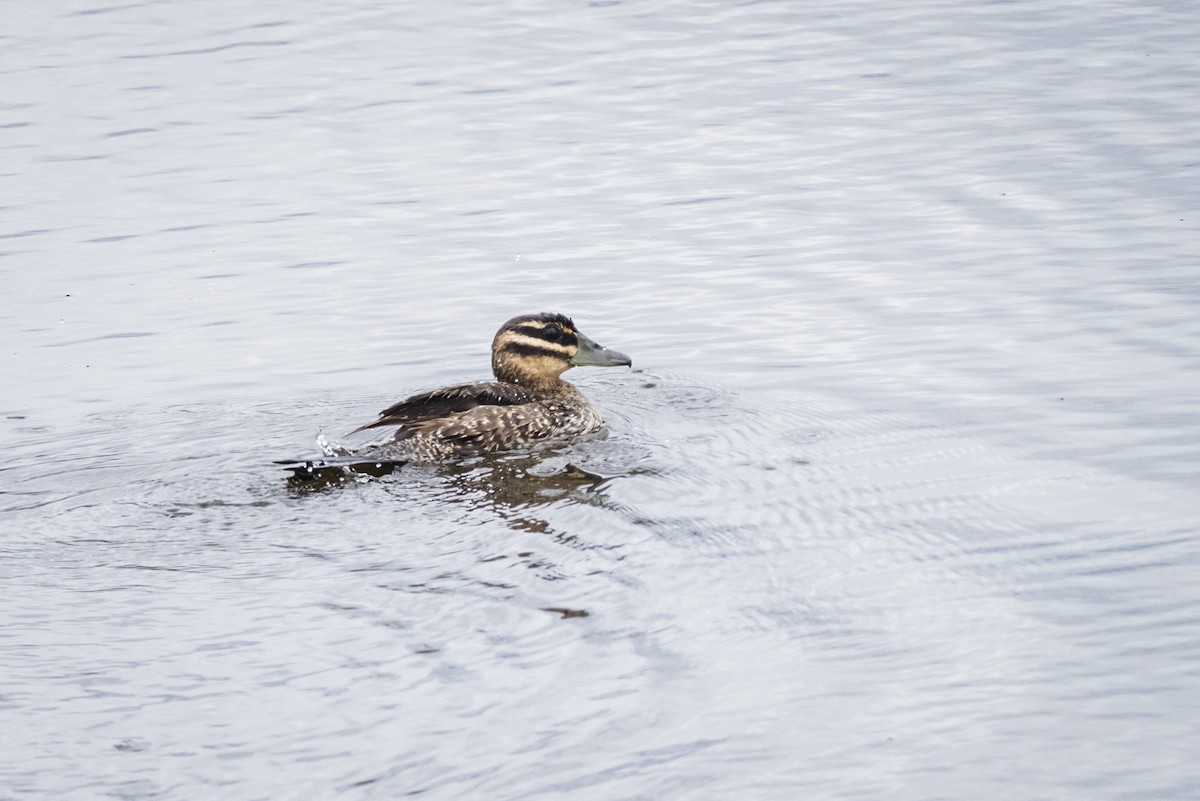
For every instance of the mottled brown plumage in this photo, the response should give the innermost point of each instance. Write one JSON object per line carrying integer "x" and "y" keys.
{"x": 528, "y": 404}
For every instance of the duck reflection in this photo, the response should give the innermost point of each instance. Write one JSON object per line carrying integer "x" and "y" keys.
{"x": 505, "y": 481}
{"x": 516, "y": 487}
{"x": 521, "y": 491}
{"x": 513, "y": 487}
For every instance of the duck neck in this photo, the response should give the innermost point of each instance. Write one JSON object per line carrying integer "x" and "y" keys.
{"x": 541, "y": 375}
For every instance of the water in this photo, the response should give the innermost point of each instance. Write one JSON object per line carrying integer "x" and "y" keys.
{"x": 899, "y": 500}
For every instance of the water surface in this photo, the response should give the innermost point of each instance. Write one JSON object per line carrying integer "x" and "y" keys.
{"x": 899, "y": 500}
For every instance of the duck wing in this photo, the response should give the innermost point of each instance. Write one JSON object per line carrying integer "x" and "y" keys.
{"x": 487, "y": 428}
{"x": 439, "y": 404}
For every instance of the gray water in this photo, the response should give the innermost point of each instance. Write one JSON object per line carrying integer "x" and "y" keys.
{"x": 900, "y": 500}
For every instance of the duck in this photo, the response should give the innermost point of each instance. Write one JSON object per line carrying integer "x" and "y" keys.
{"x": 526, "y": 406}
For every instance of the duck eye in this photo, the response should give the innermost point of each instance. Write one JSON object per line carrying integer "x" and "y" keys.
{"x": 552, "y": 333}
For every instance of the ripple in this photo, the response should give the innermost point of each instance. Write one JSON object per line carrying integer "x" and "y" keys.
{"x": 899, "y": 503}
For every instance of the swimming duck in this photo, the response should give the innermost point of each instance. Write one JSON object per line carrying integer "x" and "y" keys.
{"x": 528, "y": 404}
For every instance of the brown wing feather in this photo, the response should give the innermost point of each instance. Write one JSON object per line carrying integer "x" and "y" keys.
{"x": 441, "y": 403}
{"x": 488, "y": 428}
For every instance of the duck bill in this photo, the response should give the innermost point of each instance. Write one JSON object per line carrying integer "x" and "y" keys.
{"x": 589, "y": 353}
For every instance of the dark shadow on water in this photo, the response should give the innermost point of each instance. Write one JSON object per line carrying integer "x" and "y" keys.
{"x": 512, "y": 486}
{"x": 523, "y": 492}
{"x": 316, "y": 475}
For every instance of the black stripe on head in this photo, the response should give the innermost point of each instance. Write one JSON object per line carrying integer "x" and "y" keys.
{"x": 526, "y": 349}
{"x": 548, "y": 333}
{"x": 556, "y": 328}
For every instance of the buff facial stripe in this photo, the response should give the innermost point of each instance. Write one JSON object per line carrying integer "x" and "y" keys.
{"x": 525, "y": 348}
